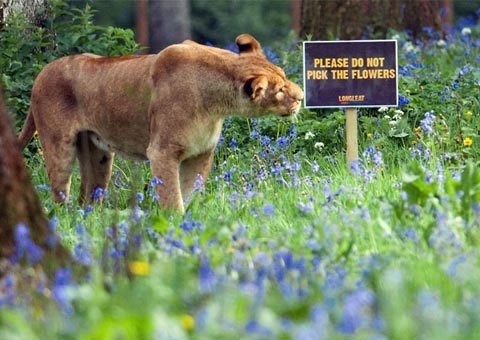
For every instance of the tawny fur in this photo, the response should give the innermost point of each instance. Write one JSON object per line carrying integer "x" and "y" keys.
{"x": 168, "y": 108}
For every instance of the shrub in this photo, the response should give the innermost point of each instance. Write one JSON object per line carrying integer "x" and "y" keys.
{"x": 26, "y": 48}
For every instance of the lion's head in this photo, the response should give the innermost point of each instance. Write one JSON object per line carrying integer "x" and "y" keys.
{"x": 264, "y": 83}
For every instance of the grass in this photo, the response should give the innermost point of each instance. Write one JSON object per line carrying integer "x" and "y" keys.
{"x": 321, "y": 253}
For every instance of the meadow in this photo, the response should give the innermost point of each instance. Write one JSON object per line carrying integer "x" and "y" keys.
{"x": 285, "y": 240}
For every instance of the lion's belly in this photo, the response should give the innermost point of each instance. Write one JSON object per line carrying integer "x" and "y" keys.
{"x": 122, "y": 148}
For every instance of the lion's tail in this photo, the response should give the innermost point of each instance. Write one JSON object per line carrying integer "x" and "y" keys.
{"x": 27, "y": 131}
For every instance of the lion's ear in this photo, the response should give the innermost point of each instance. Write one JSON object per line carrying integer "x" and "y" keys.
{"x": 256, "y": 87}
{"x": 248, "y": 44}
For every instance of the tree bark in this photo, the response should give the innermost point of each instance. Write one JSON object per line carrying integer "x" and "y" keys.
{"x": 19, "y": 202}
{"x": 356, "y": 19}
{"x": 141, "y": 22}
{"x": 169, "y": 23}
{"x": 296, "y": 6}
{"x": 36, "y": 11}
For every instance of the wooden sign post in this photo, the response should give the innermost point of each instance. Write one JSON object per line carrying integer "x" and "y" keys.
{"x": 351, "y": 129}
{"x": 350, "y": 74}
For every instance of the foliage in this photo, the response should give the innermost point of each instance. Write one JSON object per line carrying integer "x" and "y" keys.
{"x": 26, "y": 48}
{"x": 220, "y": 21}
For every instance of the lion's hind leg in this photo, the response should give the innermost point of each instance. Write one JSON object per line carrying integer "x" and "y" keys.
{"x": 59, "y": 153}
{"x": 95, "y": 167}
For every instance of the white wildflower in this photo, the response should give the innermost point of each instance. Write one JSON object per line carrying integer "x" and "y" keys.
{"x": 319, "y": 146}
{"x": 309, "y": 135}
{"x": 441, "y": 43}
{"x": 383, "y": 109}
{"x": 409, "y": 47}
{"x": 398, "y": 115}
{"x": 466, "y": 31}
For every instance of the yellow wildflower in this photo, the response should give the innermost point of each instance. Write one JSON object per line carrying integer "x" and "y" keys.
{"x": 467, "y": 114}
{"x": 139, "y": 268}
{"x": 407, "y": 91}
{"x": 467, "y": 142}
{"x": 230, "y": 250}
{"x": 188, "y": 322}
{"x": 369, "y": 135}
{"x": 40, "y": 151}
{"x": 35, "y": 134}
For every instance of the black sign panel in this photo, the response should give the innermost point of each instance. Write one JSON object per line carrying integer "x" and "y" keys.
{"x": 358, "y": 73}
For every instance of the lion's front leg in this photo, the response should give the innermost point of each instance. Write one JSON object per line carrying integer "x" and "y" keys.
{"x": 193, "y": 167}
{"x": 165, "y": 166}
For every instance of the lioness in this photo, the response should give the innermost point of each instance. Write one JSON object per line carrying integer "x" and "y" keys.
{"x": 167, "y": 108}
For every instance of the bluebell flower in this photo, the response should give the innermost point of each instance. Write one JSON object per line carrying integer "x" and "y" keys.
{"x": 254, "y": 134}
{"x": 60, "y": 290}
{"x": 82, "y": 254}
{"x": 265, "y": 140}
{"x": 137, "y": 213}
{"x": 155, "y": 181}
{"x": 411, "y": 234}
{"x": 227, "y": 176}
{"x": 464, "y": 70}
{"x": 221, "y": 140}
{"x": 269, "y": 209}
{"x": 276, "y": 169}
{"x": 402, "y": 101}
{"x": 97, "y": 194}
{"x": 8, "y": 290}
{"x": 353, "y": 316}
{"x": 24, "y": 246}
{"x": 188, "y": 224}
{"x": 335, "y": 278}
{"x": 455, "y": 263}
{"x": 207, "y": 278}
{"x": 426, "y": 124}
{"x": 355, "y": 168}
{"x": 254, "y": 327}
{"x": 271, "y": 55}
{"x": 199, "y": 183}
{"x": 282, "y": 142}
{"x": 319, "y": 316}
{"x": 140, "y": 197}
{"x": 233, "y": 143}
{"x": 292, "y": 131}
{"x": 305, "y": 208}
{"x": 62, "y": 195}
{"x": 88, "y": 209}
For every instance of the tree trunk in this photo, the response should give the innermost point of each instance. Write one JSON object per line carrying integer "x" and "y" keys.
{"x": 19, "y": 202}
{"x": 141, "y": 22}
{"x": 296, "y": 6}
{"x": 169, "y": 23}
{"x": 356, "y": 19}
{"x": 36, "y": 11}
{"x": 448, "y": 14}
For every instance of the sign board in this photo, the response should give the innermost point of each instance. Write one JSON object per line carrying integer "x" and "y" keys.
{"x": 355, "y": 73}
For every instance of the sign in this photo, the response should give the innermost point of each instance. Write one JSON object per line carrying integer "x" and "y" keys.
{"x": 356, "y": 73}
